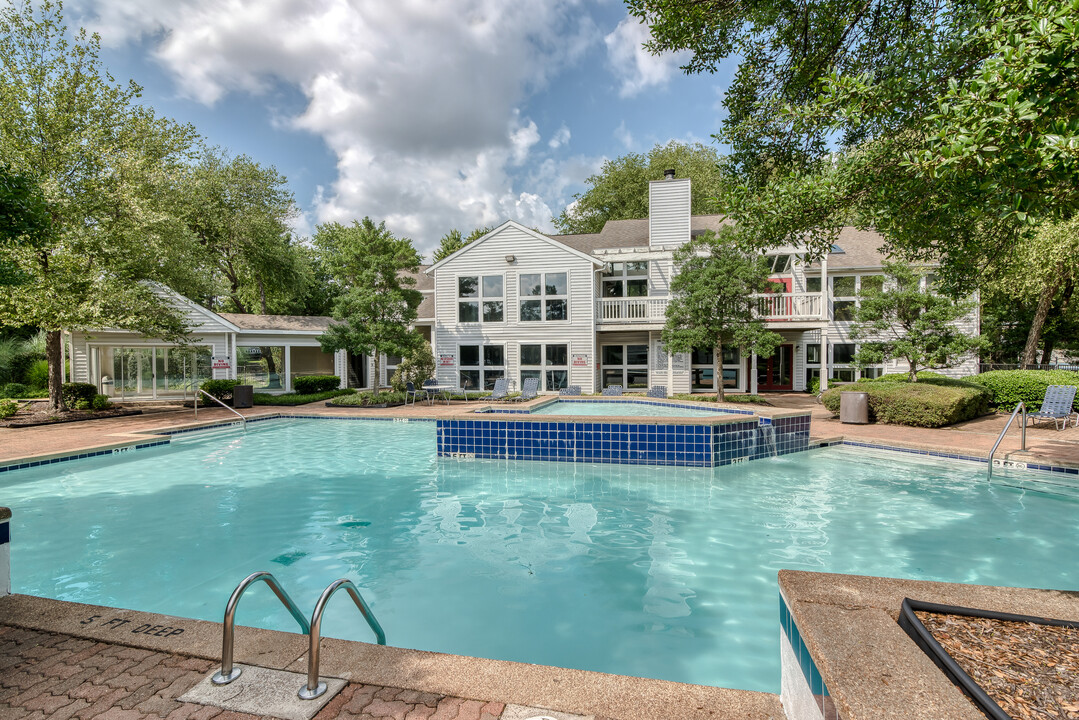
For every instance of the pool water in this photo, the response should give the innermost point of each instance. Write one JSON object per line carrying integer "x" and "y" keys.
{"x": 622, "y": 409}
{"x": 654, "y": 571}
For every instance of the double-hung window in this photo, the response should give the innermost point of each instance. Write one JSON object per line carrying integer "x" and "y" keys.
{"x": 844, "y": 294}
{"x": 480, "y": 294}
{"x": 544, "y": 296}
{"x": 547, "y": 363}
{"x": 626, "y": 279}
{"x": 481, "y": 366}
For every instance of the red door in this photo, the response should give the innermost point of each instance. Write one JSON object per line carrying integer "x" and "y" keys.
{"x": 777, "y": 372}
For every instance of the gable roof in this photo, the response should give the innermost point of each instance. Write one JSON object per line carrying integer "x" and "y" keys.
{"x": 290, "y": 323}
{"x": 856, "y": 249}
{"x": 555, "y": 240}
{"x": 618, "y": 234}
{"x": 177, "y": 299}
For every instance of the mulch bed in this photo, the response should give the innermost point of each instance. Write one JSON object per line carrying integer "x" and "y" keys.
{"x": 1030, "y": 670}
{"x": 37, "y": 413}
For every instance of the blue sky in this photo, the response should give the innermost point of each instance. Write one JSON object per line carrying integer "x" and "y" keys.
{"x": 428, "y": 115}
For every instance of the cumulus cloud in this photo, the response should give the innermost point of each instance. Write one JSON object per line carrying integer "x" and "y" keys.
{"x": 623, "y": 135}
{"x": 419, "y": 101}
{"x": 635, "y": 67}
{"x": 560, "y": 138}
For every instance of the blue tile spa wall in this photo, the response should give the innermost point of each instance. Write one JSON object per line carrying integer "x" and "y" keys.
{"x": 694, "y": 445}
{"x": 811, "y": 700}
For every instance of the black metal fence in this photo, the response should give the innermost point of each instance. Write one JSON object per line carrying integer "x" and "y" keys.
{"x": 986, "y": 367}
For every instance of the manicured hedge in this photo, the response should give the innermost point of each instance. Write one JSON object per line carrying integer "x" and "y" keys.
{"x": 76, "y": 392}
{"x": 299, "y": 398}
{"x": 220, "y": 389}
{"x": 933, "y": 401}
{"x": 362, "y": 399}
{"x": 1008, "y": 387}
{"x": 308, "y": 384}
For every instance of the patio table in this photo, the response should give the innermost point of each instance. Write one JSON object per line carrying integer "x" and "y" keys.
{"x": 442, "y": 391}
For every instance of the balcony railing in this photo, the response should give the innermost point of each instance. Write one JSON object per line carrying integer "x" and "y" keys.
{"x": 646, "y": 310}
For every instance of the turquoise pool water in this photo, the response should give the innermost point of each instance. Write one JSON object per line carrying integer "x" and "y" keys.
{"x": 654, "y": 571}
{"x": 622, "y": 409}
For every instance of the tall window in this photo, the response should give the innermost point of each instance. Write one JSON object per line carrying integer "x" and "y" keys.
{"x": 626, "y": 279}
{"x": 475, "y": 293}
{"x": 481, "y": 366}
{"x": 547, "y": 363}
{"x": 702, "y": 368}
{"x": 544, "y": 296}
{"x": 844, "y": 291}
{"x": 625, "y": 365}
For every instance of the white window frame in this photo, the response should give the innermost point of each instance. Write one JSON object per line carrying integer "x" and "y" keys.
{"x": 481, "y": 367}
{"x": 543, "y": 368}
{"x": 543, "y": 297}
{"x": 626, "y": 367}
{"x": 737, "y": 366}
{"x": 624, "y": 277}
{"x": 479, "y": 299}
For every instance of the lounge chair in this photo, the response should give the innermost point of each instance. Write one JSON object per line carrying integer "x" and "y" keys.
{"x": 570, "y": 390}
{"x": 1057, "y": 406}
{"x": 529, "y": 389}
{"x": 612, "y": 390}
{"x": 500, "y": 390}
{"x": 657, "y": 391}
{"x": 412, "y": 393}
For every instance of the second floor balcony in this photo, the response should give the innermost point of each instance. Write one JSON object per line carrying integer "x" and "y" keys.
{"x": 774, "y": 307}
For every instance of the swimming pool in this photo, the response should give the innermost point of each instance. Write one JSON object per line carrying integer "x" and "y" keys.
{"x": 654, "y": 571}
{"x": 624, "y": 408}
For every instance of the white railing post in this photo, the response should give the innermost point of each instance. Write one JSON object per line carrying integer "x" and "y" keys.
{"x": 5, "y": 551}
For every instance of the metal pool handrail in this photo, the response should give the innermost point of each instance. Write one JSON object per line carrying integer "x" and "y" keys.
{"x": 1004, "y": 432}
{"x": 228, "y": 673}
{"x": 314, "y": 688}
{"x": 231, "y": 410}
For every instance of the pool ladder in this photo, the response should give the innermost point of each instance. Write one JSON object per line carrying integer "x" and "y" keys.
{"x": 1004, "y": 432}
{"x": 313, "y": 688}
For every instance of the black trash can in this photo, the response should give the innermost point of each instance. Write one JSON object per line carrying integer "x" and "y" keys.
{"x": 243, "y": 396}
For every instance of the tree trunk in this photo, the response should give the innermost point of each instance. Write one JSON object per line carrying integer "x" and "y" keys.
{"x": 54, "y": 354}
{"x": 1049, "y": 342}
{"x": 717, "y": 371}
{"x": 1035, "y": 334}
{"x": 913, "y": 373}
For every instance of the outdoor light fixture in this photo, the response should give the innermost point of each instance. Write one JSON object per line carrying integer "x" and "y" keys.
{"x": 510, "y": 258}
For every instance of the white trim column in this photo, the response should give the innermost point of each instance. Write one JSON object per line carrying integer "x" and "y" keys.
{"x": 823, "y": 361}
{"x": 752, "y": 374}
{"x": 288, "y": 369}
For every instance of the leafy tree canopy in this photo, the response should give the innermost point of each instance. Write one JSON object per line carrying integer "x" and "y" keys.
{"x": 377, "y": 302}
{"x": 452, "y": 241}
{"x": 949, "y": 125}
{"x": 712, "y": 301}
{"x": 620, "y": 190}
{"x": 102, "y": 162}
{"x": 909, "y": 321}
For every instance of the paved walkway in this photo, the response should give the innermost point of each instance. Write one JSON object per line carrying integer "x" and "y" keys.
{"x": 51, "y": 676}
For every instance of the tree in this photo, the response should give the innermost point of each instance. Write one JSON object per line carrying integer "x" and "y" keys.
{"x": 102, "y": 162}
{"x": 415, "y": 367}
{"x": 712, "y": 300}
{"x": 905, "y": 320}
{"x": 620, "y": 190}
{"x": 948, "y": 125}
{"x": 452, "y": 241}
{"x": 377, "y": 303}
{"x": 24, "y": 217}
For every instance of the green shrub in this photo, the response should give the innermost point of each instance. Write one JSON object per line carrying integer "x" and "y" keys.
{"x": 100, "y": 402}
{"x": 709, "y": 397}
{"x": 15, "y": 390}
{"x": 37, "y": 375}
{"x": 8, "y": 408}
{"x": 299, "y": 399}
{"x": 930, "y": 402}
{"x": 363, "y": 399}
{"x": 1008, "y": 387}
{"x": 220, "y": 389}
{"x": 415, "y": 367}
{"x": 307, "y": 384}
{"x": 75, "y": 393}
{"x": 814, "y": 386}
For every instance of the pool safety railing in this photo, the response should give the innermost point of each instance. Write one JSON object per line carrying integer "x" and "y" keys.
{"x": 314, "y": 688}
{"x": 1023, "y": 441}
{"x": 231, "y": 410}
{"x": 228, "y": 672}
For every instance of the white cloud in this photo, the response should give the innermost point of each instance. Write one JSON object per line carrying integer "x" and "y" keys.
{"x": 419, "y": 101}
{"x": 560, "y": 138}
{"x": 635, "y": 67}
{"x": 623, "y": 135}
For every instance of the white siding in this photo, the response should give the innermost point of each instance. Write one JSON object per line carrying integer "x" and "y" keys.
{"x": 532, "y": 255}
{"x": 660, "y": 272}
{"x": 668, "y": 211}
